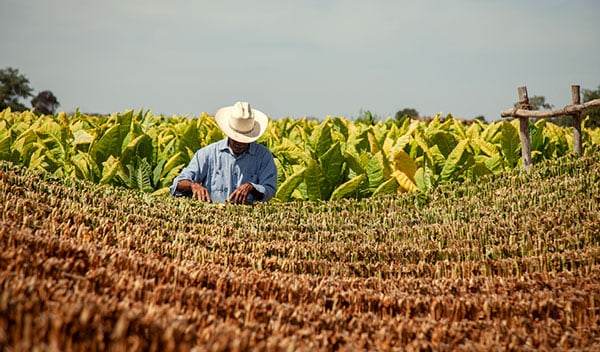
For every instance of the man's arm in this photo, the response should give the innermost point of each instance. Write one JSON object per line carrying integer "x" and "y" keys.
{"x": 195, "y": 172}
{"x": 267, "y": 178}
{"x": 195, "y": 189}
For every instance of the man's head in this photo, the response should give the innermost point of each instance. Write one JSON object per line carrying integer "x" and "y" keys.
{"x": 241, "y": 123}
{"x": 237, "y": 147}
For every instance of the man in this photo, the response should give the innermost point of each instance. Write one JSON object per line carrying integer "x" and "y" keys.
{"x": 235, "y": 169}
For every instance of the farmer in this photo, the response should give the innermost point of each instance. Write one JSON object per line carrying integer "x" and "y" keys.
{"x": 235, "y": 169}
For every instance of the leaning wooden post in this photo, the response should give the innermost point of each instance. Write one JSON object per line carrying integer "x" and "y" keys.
{"x": 575, "y": 99}
{"x": 524, "y": 129}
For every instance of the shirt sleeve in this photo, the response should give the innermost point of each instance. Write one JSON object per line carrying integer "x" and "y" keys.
{"x": 195, "y": 171}
{"x": 267, "y": 176}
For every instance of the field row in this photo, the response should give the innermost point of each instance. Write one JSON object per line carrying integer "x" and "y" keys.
{"x": 100, "y": 296}
{"x": 511, "y": 263}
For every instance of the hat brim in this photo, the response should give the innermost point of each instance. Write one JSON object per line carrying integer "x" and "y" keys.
{"x": 260, "y": 125}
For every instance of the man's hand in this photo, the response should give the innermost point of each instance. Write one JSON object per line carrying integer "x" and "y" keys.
{"x": 200, "y": 192}
{"x": 240, "y": 195}
{"x": 196, "y": 189}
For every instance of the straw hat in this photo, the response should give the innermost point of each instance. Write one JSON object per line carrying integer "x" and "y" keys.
{"x": 242, "y": 123}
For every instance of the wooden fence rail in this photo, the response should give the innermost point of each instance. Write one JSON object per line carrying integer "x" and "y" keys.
{"x": 523, "y": 112}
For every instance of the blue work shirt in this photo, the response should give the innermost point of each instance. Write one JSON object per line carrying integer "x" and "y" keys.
{"x": 218, "y": 169}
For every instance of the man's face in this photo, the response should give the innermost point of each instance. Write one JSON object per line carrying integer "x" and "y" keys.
{"x": 237, "y": 147}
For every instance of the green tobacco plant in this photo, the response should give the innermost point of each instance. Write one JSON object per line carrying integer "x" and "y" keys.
{"x": 316, "y": 160}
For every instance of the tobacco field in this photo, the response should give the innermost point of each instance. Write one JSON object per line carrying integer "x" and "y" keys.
{"x": 510, "y": 262}
{"x": 316, "y": 160}
{"x": 440, "y": 243}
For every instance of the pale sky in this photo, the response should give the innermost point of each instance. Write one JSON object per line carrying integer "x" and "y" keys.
{"x": 302, "y": 58}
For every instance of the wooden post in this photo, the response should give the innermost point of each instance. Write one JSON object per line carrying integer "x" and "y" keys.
{"x": 575, "y": 99}
{"x": 524, "y": 129}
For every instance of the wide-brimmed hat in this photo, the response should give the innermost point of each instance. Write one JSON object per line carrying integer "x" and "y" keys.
{"x": 242, "y": 123}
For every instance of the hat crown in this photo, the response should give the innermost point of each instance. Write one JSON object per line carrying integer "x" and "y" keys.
{"x": 242, "y": 117}
{"x": 241, "y": 122}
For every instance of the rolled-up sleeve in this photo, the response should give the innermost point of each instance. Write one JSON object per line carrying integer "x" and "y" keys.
{"x": 267, "y": 177}
{"x": 195, "y": 171}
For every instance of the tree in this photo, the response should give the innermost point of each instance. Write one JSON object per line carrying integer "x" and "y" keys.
{"x": 594, "y": 114}
{"x": 481, "y": 118}
{"x": 539, "y": 102}
{"x": 410, "y": 112}
{"x": 45, "y": 102}
{"x": 366, "y": 117}
{"x": 13, "y": 87}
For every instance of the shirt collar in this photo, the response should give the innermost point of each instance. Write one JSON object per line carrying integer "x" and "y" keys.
{"x": 222, "y": 144}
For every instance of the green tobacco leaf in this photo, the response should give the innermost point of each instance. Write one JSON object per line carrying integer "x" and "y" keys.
{"x": 213, "y": 135}
{"x": 317, "y": 187}
{"x": 360, "y": 141}
{"x": 453, "y": 161}
{"x": 420, "y": 142}
{"x": 141, "y": 147}
{"x": 166, "y": 147}
{"x": 173, "y": 161}
{"x": 5, "y": 153}
{"x": 438, "y": 159}
{"x": 390, "y": 186}
{"x": 495, "y": 164}
{"x": 537, "y": 137}
{"x": 37, "y": 158}
{"x": 350, "y": 187}
{"x": 190, "y": 154}
{"x": 378, "y": 170}
{"x": 53, "y": 136}
{"x": 140, "y": 176}
{"x": 332, "y": 163}
{"x": 284, "y": 191}
{"x": 167, "y": 179}
{"x": 487, "y": 148}
{"x": 108, "y": 144}
{"x": 322, "y": 139}
{"x": 125, "y": 121}
{"x": 164, "y": 191}
{"x": 445, "y": 142}
{"x": 290, "y": 152}
{"x": 282, "y": 173}
{"x": 402, "y": 162}
{"x": 405, "y": 182}
{"x": 147, "y": 121}
{"x": 479, "y": 169}
{"x": 459, "y": 129}
{"x": 23, "y": 145}
{"x": 374, "y": 144}
{"x": 85, "y": 167}
{"x": 158, "y": 171}
{"x": 511, "y": 144}
{"x": 82, "y": 137}
{"x": 474, "y": 130}
{"x": 110, "y": 169}
{"x": 389, "y": 139}
{"x": 492, "y": 130}
{"x": 190, "y": 138}
{"x": 420, "y": 179}
{"x": 558, "y": 139}
{"x": 354, "y": 162}
{"x": 341, "y": 125}
{"x": 398, "y": 145}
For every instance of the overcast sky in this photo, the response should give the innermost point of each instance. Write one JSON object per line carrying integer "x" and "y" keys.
{"x": 302, "y": 58}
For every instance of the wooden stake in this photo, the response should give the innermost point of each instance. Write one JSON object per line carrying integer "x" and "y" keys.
{"x": 575, "y": 99}
{"x": 524, "y": 129}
